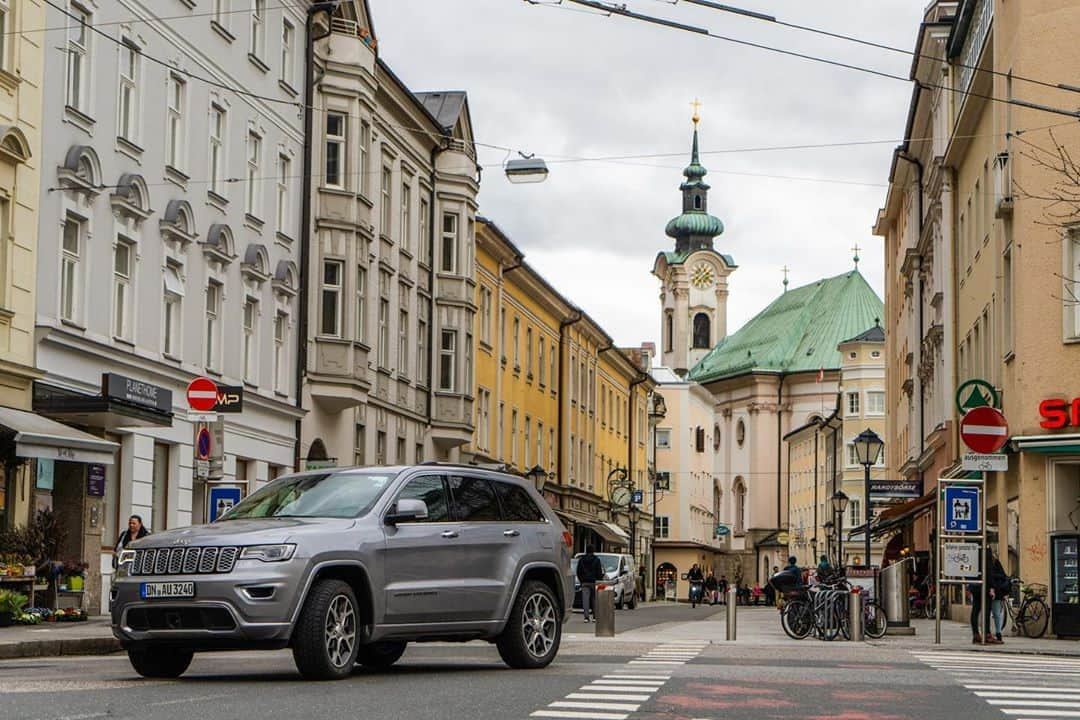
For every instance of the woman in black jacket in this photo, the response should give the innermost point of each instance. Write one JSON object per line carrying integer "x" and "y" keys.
{"x": 135, "y": 530}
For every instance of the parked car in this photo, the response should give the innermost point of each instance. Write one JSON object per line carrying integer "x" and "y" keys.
{"x": 619, "y": 574}
{"x": 346, "y": 567}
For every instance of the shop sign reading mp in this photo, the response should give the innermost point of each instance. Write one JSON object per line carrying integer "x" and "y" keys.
{"x": 1059, "y": 412}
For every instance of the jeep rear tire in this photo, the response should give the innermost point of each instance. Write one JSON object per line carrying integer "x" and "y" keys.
{"x": 532, "y": 635}
{"x": 380, "y": 655}
{"x": 160, "y": 662}
{"x": 324, "y": 641}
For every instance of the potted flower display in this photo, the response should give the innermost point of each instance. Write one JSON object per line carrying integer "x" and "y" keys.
{"x": 11, "y": 604}
{"x": 73, "y": 575}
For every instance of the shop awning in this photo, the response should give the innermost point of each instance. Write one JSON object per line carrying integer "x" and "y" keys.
{"x": 40, "y": 437}
{"x": 568, "y": 520}
{"x": 604, "y": 531}
{"x": 898, "y": 516}
{"x": 1063, "y": 443}
{"x": 618, "y": 531}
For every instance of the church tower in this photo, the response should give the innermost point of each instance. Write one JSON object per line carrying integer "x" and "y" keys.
{"x": 693, "y": 277}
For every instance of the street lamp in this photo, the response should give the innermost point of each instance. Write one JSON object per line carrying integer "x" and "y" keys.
{"x": 657, "y": 413}
{"x": 526, "y": 169}
{"x": 634, "y": 512}
{"x": 839, "y": 505}
{"x": 829, "y": 529}
{"x": 868, "y": 448}
{"x": 539, "y": 477}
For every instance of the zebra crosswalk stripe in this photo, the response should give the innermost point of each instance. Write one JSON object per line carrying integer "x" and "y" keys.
{"x": 979, "y": 672}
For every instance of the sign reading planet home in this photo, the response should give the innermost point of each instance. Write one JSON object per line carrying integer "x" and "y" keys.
{"x": 136, "y": 392}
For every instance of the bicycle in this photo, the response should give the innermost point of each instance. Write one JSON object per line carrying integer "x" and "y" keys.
{"x": 1032, "y": 617}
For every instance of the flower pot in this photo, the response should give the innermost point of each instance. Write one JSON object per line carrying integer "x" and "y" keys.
{"x": 5, "y": 619}
{"x": 75, "y": 583}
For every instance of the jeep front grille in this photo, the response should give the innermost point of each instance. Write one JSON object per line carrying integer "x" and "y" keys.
{"x": 186, "y": 561}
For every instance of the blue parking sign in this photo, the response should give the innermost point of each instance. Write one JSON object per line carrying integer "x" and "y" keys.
{"x": 962, "y": 510}
{"x": 222, "y": 499}
{"x": 638, "y": 497}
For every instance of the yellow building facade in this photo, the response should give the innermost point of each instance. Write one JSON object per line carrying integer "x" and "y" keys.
{"x": 552, "y": 391}
{"x": 21, "y": 58}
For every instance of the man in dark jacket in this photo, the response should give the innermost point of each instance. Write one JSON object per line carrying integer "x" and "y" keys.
{"x": 711, "y": 588}
{"x": 589, "y": 571}
{"x": 998, "y": 585}
{"x": 695, "y": 576}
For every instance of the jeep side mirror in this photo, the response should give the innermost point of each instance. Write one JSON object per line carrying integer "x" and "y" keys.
{"x": 407, "y": 510}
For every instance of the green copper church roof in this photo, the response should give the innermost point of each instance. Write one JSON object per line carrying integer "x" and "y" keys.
{"x": 798, "y": 331}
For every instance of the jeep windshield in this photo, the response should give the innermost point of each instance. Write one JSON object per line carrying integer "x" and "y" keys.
{"x": 330, "y": 495}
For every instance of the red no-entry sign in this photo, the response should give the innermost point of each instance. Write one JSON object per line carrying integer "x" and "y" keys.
{"x": 202, "y": 394}
{"x": 984, "y": 430}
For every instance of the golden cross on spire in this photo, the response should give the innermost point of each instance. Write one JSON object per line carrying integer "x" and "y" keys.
{"x": 785, "y": 270}
{"x": 696, "y": 104}
{"x": 856, "y": 250}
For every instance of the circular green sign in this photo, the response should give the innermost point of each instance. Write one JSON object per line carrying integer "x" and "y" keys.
{"x": 976, "y": 393}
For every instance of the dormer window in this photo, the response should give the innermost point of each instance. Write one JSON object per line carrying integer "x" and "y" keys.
{"x": 697, "y": 202}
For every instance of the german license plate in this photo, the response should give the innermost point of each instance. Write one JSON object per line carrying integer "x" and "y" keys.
{"x": 149, "y": 591}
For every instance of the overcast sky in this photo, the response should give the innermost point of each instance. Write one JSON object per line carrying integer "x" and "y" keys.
{"x": 566, "y": 84}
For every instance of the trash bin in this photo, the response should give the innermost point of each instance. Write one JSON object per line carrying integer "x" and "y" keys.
{"x": 894, "y": 595}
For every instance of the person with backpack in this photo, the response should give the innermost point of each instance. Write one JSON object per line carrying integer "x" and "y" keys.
{"x": 589, "y": 571}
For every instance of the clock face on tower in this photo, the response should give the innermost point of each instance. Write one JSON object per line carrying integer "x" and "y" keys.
{"x": 702, "y": 276}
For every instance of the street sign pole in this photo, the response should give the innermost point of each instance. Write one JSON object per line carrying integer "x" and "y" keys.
{"x": 965, "y": 526}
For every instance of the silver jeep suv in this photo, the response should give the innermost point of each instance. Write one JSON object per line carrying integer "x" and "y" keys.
{"x": 346, "y": 566}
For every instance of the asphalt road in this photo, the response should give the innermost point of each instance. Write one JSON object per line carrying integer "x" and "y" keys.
{"x": 592, "y": 678}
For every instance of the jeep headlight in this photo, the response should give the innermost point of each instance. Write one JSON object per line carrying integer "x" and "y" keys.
{"x": 125, "y": 563}
{"x": 268, "y": 553}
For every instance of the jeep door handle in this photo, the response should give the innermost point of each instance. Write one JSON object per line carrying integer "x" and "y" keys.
{"x": 510, "y": 533}
{"x": 450, "y": 534}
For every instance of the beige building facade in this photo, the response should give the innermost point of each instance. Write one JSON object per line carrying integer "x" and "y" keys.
{"x": 983, "y": 267}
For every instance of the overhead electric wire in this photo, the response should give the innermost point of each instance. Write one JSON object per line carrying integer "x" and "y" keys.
{"x": 622, "y": 11}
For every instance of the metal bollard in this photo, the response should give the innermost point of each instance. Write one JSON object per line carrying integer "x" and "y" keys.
{"x": 732, "y": 601}
{"x": 605, "y": 613}
{"x": 855, "y": 615}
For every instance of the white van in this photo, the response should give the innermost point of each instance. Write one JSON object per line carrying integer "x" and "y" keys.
{"x": 620, "y": 574}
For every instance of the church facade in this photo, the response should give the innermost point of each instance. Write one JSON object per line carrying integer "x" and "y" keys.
{"x": 776, "y": 373}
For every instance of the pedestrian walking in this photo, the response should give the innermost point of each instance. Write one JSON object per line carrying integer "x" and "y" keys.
{"x": 711, "y": 586}
{"x": 1000, "y": 585}
{"x": 722, "y": 587}
{"x": 589, "y": 571}
{"x": 135, "y": 530}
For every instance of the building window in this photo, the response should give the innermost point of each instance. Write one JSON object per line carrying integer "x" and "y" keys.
{"x": 360, "y": 445}
{"x": 702, "y": 333}
{"x": 528, "y": 352}
{"x": 213, "y": 313}
{"x": 71, "y": 268}
{"x": 331, "y": 298}
{"x": 217, "y": 150}
{"x": 516, "y": 340}
{"x": 221, "y": 12}
{"x": 128, "y": 103}
{"x": 485, "y": 314}
{"x": 527, "y": 439}
{"x": 740, "y": 506}
{"x": 875, "y": 402}
{"x": 483, "y": 421}
{"x": 551, "y": 447}
{"x": 334, "y": 175}
{"x": 1007, "y": 300}
{"x": 361, "y": 304}
{"x": 380, "y": 447}
{"x": 400, "y": 454}
{"x": 78, "y": 60}
{"x": 662, "y": 526}
{"x": 365, "y": 146}
{"x": 449, "y": 243}
{"x": 1071, "y": 281}
{"x": 663, "y": 438}
{"x": 419, "y": 453}
{"x": 173, "y": 299}
{"x": 423, "y": 247}
{"x": 123, "y": 260}
{"x": 281, "y": 352}
{"x": 406, "y": 213}
{"x": 467, "y": 389}
{"x": 540, "y": 367}
{"x": 669, "y": 332}
{"x": 854, "y": 512}
{"x": 254, "y": 152}
{"x": 251, "y": 340}
{"x": 288, "y": 35}
{"x": 513, "y": 437}
{"x": 422, "y": 360}
{"x": 852, "y": 455}
{"x": 386, "y": 197}
{"x": 174, "y": 139}
{"x": 384, "y": 320}
{"x": 552, "y": 358}
{"x": 403, "y": 342}
{"x": 447, "y": 358}
{"x": 284, "y": 169}
{"x": 258, "y": 27}
{"x": 539, "y": 443}
{"x": 853, "y": 404}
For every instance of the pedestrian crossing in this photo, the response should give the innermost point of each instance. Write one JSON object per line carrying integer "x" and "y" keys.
{"x": 1022, "y": 687}
{"x": 615, "y": 695}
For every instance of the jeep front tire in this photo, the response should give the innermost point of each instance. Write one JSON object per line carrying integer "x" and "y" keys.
{"x": 159, "y": 662}
{"x": 324, "y": 642}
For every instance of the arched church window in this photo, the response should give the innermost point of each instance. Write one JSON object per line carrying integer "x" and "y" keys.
{"x": 740, "y": 505}
{"x": 668, "y": 332}
{"x": 697, "y": 202}
{"x": 702, "y": 330}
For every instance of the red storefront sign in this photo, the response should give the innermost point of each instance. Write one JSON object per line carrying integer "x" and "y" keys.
{"x": 1059, "y": 413}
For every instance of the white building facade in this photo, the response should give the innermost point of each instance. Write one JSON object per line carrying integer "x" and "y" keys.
{"x": 169, "y": 245}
